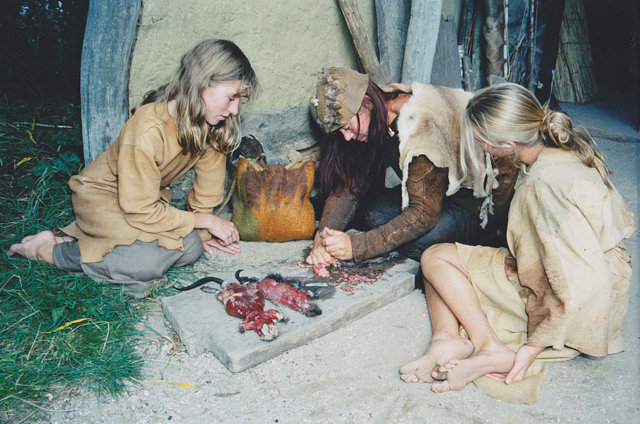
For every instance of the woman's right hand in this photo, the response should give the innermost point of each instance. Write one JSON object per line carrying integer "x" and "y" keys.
{"x": 319, "y": 254}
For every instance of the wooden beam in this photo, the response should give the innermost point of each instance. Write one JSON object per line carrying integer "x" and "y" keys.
{"x": 362, "y": 43}
{"x": 422, "y": 36}
{"x": 493, "y": 31}
{"x": 104, "y": 72}
{"x": 446, "y": 61}
{"x": 392, "y": 18}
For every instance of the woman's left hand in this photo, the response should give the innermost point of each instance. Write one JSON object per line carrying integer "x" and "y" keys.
{"x": 338, "y": 244}
{"x": 232, "y": 248}
{"x": 524, "y": 358}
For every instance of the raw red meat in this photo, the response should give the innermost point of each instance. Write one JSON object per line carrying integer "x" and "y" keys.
{"x": 284, "y": 294}
{"x": 244, "y": 301}
{"x": 321, "y": 270}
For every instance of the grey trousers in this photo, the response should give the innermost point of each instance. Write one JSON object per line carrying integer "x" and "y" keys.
{"x": 135, "y": 267}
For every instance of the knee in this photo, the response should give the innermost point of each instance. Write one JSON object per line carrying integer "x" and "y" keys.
{"x": 437, "y": 255}
{"x": 193, "y": 248}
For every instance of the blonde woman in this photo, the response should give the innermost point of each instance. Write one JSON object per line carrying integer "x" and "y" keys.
{"x": 562, "y": 286}
{"x": 125, "y": 231}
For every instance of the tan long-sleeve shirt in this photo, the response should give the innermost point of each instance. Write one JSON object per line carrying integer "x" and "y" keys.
{"x": 123, "y": 195}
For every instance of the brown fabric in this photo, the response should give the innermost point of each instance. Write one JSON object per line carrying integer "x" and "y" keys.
{"x": 273, "y": 201}
{"x": 426, "y": 186}
{"x": 339, "y": 209}
{"x": 567, "y": 231}
{"x": 121, "y": 197}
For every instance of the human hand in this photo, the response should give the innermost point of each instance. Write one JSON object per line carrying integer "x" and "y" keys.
{"x": 524, "y": 358}
{"x": 319, "y": 254}
{"x": 232, "y": 248}
{"x": 337, "y": 244}
{"x": 224, "y": 231}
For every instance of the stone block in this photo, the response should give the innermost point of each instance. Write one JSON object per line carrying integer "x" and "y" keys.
{"x": 203, "y": 325}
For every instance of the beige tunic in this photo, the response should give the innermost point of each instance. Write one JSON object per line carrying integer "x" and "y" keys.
{"x": 566, "y": 230}
{"x": 123, "y": 195}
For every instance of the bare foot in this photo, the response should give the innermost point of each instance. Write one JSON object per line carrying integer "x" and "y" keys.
{"x": 441, "y": 350}
{"x": 63, "y": 239}
{"x": 461, "y": 372}
{"x": 37, "y": 247}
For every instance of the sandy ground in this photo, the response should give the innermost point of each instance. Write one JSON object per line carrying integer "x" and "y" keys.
{"x": 350, "y": 375}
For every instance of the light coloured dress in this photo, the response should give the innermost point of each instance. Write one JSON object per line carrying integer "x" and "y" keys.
{"x": 569, "y": 284}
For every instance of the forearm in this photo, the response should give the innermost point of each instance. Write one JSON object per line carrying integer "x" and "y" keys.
{"x": 407, "y": 226}
{"x": 202, "y": 220}
{"x": 426, "y": 186}
{"x": 339, "y": 209}
{"x": 159, "y": 218}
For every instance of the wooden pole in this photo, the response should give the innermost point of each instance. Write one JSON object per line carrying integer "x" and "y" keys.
{"x": 493, "y": 30}
{"x": 392, "y": 17}
{"x": 104, "y": 72}
{"x": 362, "y": 43}
{"x": 422, "y": 37}
{"x": 468, "y": 39}
{"x": 446, "y": 60}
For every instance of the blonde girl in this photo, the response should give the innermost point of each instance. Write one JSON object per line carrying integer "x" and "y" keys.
{"x": 562, "y": 286}
{"x": 125, "y": 231}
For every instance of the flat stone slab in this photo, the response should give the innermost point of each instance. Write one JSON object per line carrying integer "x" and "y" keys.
{"x": 203, "y": 324}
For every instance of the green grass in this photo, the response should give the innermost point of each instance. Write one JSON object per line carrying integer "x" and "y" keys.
{"x": 56, "y": 330}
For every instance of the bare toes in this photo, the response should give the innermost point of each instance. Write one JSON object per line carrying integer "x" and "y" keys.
{"x": 441, "y": 387}
{"x": 408, "y": 368}
{"x": 409, "y": 378}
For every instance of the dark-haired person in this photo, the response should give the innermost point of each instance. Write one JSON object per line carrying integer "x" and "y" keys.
{"x": 416, "y": 131}
{"x": 125, "y": 231}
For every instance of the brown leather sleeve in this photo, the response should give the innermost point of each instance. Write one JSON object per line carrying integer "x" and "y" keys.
{"x": 338, "y": 210}
{"x": 426, "y": 186}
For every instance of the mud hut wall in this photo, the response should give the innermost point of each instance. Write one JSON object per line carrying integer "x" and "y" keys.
{"x": 287, "y": 42}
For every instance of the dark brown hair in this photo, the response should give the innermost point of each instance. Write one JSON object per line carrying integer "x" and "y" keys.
{"x": 355, "y": 166}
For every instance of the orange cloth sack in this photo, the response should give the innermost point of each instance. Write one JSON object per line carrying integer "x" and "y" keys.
{"x": 273, "y": 201}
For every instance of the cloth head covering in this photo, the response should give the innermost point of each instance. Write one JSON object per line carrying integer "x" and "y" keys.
{"x": 339, "y": 94}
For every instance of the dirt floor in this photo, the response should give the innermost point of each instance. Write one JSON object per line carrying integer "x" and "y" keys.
{"x": 350, "y": 375}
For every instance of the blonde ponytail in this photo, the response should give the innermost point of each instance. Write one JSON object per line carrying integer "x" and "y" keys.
{"x": 510, "y": 112}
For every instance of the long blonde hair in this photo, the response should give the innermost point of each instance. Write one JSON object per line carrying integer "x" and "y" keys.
{"x": 209, "y": 63}
{"x": 509, "y": 112}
